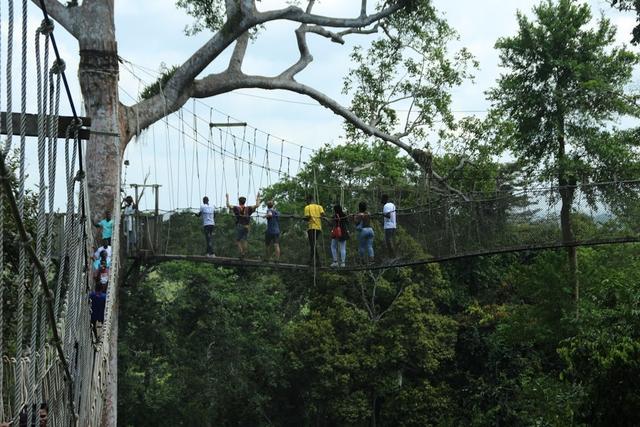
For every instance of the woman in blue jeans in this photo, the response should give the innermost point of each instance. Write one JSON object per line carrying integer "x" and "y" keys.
{"x": 365, "y": 235}
{"x": 339, "y": 236}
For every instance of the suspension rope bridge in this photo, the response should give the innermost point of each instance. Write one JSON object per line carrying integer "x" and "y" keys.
{"x": 53, "y": 369}
{"x": 433, "y": 227}
{"x": 439, "y": 228}
{"x": 52, "y": 372}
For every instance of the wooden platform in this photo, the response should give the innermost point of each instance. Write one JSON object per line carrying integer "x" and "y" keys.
{"x": 397, "y": 263}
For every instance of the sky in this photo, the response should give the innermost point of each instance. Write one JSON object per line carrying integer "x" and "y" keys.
{"x": 177, "y": 153}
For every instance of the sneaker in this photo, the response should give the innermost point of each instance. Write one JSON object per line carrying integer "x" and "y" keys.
{"x": 342, "y": 264}
{"x": 334, "y": 264}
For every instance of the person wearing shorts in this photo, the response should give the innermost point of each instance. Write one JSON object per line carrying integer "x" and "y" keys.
{"x": 243, "y": 219}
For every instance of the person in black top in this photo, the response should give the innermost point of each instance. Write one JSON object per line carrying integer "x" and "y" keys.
{"x": 243, "y": 220}
{"x": 365, "y": 235}
{"x": 339, "y": 236}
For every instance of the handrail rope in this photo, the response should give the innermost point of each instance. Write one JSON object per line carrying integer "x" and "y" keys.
{"x": 186, "y": 109}
{"x": 24, "y": 237}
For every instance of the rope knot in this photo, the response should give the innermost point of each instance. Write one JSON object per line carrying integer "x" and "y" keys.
{"x": 46, "y": 27}
{"x": 58, "y": 66}
{"x": 80, "y": 176}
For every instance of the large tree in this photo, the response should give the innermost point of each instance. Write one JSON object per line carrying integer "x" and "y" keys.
{"x": 232, "y": 23}
{"x": 563, "y": 90}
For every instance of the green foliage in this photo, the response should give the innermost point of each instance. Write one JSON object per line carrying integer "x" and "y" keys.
{"x": 350, "y": 171}
{"x": 628, "y": 5}
{"x": 156, "y": 87}
{"x": 408, "y": 65}
{"x": 603, "y": 355}
{"x": 564, "y": 88}
{"x": 208, "y": 14}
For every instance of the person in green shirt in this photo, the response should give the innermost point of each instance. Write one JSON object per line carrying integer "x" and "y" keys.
{"x": 107, "y": 227}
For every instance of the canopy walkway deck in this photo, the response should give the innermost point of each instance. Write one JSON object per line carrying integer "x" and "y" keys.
{"x": 436, "y": 230}
{"x": 384, "y": 264}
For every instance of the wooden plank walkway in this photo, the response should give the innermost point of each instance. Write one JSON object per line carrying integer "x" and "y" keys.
{"x": 255, "y": 263}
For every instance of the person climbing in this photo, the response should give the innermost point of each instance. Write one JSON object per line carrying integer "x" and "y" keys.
{"x": 390, "y": 224}
{"x": 206, "y": 213}
{"x": 104, "y": 248}
{"x": 103, "y": 257}
{"x": 272, "y": 234}
{"x": 313, "y": 214}
{"x": 365, "y": 234}
{"x": 102, "y": 273}
{"x": 243, "y": 221}
{"x": 339, "y": 236}
{"x": 129, "y": 210}
{"x": 98, "y": 300}
{"x": 107, "y": 227}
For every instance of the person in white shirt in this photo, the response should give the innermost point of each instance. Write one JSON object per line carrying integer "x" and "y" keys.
{"x": 104, "y": 248}
{"x": 390, "y": 224}
{"x": 129, "y": 229}
{"x": 206, "y": 213}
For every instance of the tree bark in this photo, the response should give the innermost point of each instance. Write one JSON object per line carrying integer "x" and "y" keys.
{"x": 567, "y": 190}
{"x": 98, "y": 75}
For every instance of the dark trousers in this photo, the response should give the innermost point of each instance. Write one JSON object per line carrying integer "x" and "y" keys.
{"x": 313, "y": 235}
{"x": 208, "y": 236}
{"x": 389, "y": 235}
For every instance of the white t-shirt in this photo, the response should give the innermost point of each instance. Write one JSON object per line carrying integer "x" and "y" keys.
{"x": 96, "y": 255}
{"x": 389, "y": 208}
{"x": 206, "y": 212}
{"x": 129, "y": 211}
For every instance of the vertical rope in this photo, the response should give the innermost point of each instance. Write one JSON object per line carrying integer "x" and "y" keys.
{"x": 225, "y": 190}
{"x": 235, "y": 163}
{"x": 250, "y": 166}
{"x": 37, "y": 306}
{"x": 195, "y": 132}
{"x": 2, "y": 417}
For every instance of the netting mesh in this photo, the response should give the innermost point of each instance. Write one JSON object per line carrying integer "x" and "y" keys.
{"x": 439, "y": 227}
{"x": 52, "y": 370}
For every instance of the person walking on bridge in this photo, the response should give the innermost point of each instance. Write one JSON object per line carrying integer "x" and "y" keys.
{"x": 272, "y": 235}
{"x": 243, "y": 221}
{"x": 207, "y": 216}
{"x": 365, "y": 233}
{"x": 390, "y": 224}
{"x": 313, "y": 214}
{"x": 129, "y": 210}
{"x": 107, "y": 227}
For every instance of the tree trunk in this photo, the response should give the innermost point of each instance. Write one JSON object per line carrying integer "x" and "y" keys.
{"x": 567, "y": 191}
{"x": 98, "y": 77}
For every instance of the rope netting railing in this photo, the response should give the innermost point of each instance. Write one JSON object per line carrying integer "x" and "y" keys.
{"x": 53, "y": 372}
{"x": 433, "y": 227}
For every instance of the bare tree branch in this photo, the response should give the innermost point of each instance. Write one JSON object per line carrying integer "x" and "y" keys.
{"x": 240, "y": 21}
{"x": 239, "y": 51}
{"x": 224, "y": 82}
{"x": 293, "y": 13}
{"x": 63, "y": 15}
{"x": 363, "y": 8}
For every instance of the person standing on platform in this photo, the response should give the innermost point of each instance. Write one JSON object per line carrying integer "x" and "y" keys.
{"x": 207, "y": 216}
{"x": 313, "y": 214}
{"x": 129, "y": 210}
{"x": 339, "y": 236}
{"x": 243, "y": 221}
{"x": 390, "y": 225}
{"x": 272, "y": 235}
{"x": 365, "y": 234}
